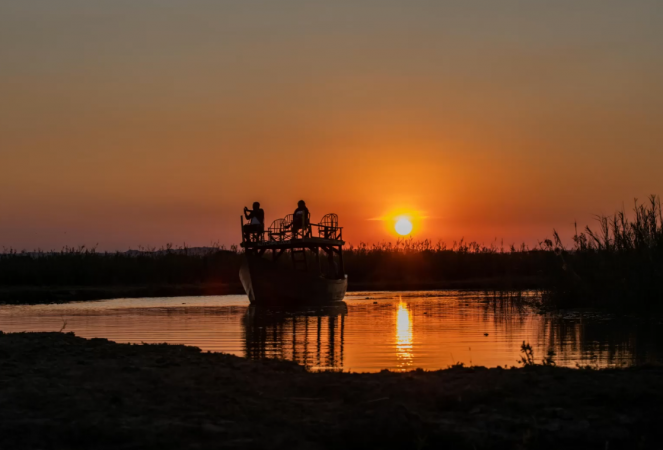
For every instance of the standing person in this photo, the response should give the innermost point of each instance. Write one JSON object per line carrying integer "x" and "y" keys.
{"x": 256, "y": 218}
{"x": 300, "y": 218}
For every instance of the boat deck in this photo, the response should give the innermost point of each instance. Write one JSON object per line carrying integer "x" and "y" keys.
{"x": 316, "y": 276}
{"x": 294, "y": 243}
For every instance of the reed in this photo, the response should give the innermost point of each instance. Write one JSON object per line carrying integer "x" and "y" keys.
{"x": 467, "y": 263}
{"x": 87, "y": 267}
{"x": 404, "y": 264}
{"x": 618, "y": 265}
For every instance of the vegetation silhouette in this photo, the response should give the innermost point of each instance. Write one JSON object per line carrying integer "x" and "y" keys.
{"x": 410, "y": 264}
{"x": 619, "y": 266}
{"x": 84, "y": 273}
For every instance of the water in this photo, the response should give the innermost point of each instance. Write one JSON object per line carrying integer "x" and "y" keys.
{"x": 375, "y": 331}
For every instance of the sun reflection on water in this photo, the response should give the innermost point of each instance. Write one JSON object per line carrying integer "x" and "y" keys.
{"x": 369, "y": 336}
{"x": 404, "y": 335}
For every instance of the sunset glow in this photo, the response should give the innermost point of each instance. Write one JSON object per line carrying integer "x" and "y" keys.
{"x": 165, "y": 131}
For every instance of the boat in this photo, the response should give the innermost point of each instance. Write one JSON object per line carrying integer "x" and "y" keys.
{"x": 285, "y": 266}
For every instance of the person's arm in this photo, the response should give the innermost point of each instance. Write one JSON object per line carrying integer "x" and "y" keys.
{"x": 248, "y": 213}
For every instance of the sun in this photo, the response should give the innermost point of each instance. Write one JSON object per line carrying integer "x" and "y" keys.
{"x": 402, "y": 221}
{"x": 403, "y": 226}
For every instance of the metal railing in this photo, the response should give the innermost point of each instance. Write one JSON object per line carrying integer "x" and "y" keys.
{"x": 282, "y": 230}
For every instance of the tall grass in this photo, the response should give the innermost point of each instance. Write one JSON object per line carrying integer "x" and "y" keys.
{"x": 405, "y": 263}
{"x": 87, "y": 267}
{"x": 618, "y": 265}
{"x": 409, "y": 261}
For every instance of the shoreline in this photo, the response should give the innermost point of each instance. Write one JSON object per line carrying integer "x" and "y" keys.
{"x": 33, "y": 295}
{"x": 62, "y": 391}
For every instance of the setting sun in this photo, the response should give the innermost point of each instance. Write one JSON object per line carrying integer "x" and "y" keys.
{"x": 403, "y": 226}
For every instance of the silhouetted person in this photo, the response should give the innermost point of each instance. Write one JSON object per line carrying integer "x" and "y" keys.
{"x": 256, "y": 218}
{"x": 300, "y": 218}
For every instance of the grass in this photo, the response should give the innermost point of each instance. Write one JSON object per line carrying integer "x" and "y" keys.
{"x": 469, "y": 264}
{"x": 85, "y": 273}
{"x": 527, "y": 358}
{"x": 617, "y": 266}
{"x": 88, "y": 267}
{"x": 405, "y": 261}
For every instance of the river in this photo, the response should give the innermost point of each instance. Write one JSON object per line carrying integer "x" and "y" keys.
{"x": 371, "y": 331}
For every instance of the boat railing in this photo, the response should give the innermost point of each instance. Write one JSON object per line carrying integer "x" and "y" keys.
{"x": 328, "y": 227}
{"x": 282, "y": 230}
{"x": 276, "y": 231}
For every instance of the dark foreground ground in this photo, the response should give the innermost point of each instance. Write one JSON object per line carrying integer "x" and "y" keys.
{"x": 59, "y": 391}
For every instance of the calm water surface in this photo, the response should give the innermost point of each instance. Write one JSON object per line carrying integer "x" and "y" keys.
{"x": 371, "y": 332}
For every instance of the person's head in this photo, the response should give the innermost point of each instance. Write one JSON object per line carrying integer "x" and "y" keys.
{"x": 256, "y": 205}
{"x": 301, "y": 203}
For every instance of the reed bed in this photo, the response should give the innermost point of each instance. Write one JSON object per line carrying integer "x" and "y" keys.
{"x": 87, "y": 267}
{"x": 618, "y": 265}
{"x": 413, "y": 262}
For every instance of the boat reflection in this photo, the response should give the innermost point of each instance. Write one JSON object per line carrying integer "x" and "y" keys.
{"x": 313, "y": 338}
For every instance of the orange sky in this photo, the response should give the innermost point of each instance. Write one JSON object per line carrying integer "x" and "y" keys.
{"x": 131, "y": 123}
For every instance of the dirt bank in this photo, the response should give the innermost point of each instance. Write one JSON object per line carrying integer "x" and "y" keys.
{"x": 61, "y": 391}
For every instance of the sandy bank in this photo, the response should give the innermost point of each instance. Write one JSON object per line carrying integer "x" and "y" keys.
{"x": 61, "y": 391}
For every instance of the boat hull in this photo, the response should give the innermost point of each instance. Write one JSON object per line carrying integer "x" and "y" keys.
{"x": 268, "y": 284}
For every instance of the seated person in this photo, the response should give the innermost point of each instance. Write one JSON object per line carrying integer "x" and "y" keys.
{"x": 256, "y": 218}
{"x": 300, "y": 217}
